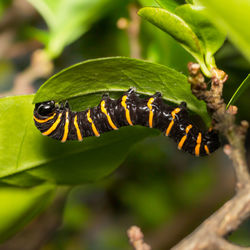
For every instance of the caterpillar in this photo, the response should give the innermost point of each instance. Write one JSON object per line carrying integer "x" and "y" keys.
{"x": 61, "y": 123}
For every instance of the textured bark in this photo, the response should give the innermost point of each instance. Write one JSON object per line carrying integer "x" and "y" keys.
{"x": 210, "y": 234}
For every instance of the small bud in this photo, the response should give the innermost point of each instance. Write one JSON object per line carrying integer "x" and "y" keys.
{"x": 218, "y": 75}
{"x": 136, "y": 238}
{"x": 135, "y": 233}
{"x": 232, "y": 110}
{"x": 122, "y": 23}
{"x": 41, "y": 63}
{"x": 244, "y": 127}
{"x": 227, "y": 150}
{"x": 244, "y": 124}
{"x": 193, "y": 68}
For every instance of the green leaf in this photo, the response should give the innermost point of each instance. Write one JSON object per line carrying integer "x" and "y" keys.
{"x": 28, "y": 156}
{"x": 170, "y": 4}
{"x": 93, "y": 77}
{"x": 159, "y": 45}
{"x": 148, "y": 3}
{"x": 233, "y": 17}
{"x": 68, "y": 20}
{"x": 20, "y": 206}
{"x": 210, "y": 37}
{"x": 22, "y": 179}
{"x": 178, "y": 29}
{"x": 241, "y": 89}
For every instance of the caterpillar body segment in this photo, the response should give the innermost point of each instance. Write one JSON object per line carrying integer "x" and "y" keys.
{"x": 61, "y": 123}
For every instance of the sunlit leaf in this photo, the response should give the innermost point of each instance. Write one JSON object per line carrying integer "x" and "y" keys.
{"x": 178, "y": 29}
{"x": 68, "y": 20}
{"x": 170, "y": 4}
{"x": 233, "y": 17}
{"x": 208, "y": 34}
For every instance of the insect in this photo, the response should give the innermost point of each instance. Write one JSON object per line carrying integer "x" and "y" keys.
{"x": 61, "y": 123}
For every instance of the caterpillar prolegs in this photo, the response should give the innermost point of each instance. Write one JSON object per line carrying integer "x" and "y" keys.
{"x": 60, "y": 123}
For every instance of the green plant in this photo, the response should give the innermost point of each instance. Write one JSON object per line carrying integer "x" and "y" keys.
{"x": 27, "y": 159}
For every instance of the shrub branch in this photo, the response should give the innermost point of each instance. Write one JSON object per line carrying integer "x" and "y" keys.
{"x": 212, "y": 232}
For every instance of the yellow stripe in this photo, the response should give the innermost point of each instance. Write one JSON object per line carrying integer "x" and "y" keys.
{"x": 169, "y": 127}
{"x": 123, "y": 103}
{"x": 92, "y": 124}
{"x": 198, "y": 145}
{"x": 183, "y": 139}
{"x": 54, "y": 126}
{"x": 45, "y": 120}
{"x": 197, "y": 149}
{"x": 199, "y": 139}
{"x": 78, "y": 132}
{"x": 206, "y": 149}
{"x": 151, "y": 113}
{"x": 173, "y": 113}
{"x": 66, "y": 128}
{"x": 188, "y": 128}
{"x": 103, "y": 109}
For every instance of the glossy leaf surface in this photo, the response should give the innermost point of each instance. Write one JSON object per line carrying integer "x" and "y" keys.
{"x": 83, "y": 84}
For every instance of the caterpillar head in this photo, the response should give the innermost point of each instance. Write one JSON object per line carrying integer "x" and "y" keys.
{"x": 45, "y": 108}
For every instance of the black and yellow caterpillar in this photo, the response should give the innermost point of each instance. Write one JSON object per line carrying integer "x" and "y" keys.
{"x": 60, "y": 123}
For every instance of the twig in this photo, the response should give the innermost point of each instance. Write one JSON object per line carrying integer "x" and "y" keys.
{"x": 209, "y": 235}
{"x": 187, "y": 219}
{"x": 133, "y": 29}
{"x": 220, "y": 224}
{"x": 18, "y": 14}
{"x": 136, "y": 238}
{"x": 40, "y": 66}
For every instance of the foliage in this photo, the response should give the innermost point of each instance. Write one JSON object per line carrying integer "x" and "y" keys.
{"x": 189, "y": 25}
{"x": 118, "y": 74}
{"x": 68, "y": 20}
{"x": 156, "y": 175}
{"x": 3, "y": 5}
{"x": 231, "y": 16}
{"x": 27, "y": 157}
{"x": 20, "y": 206}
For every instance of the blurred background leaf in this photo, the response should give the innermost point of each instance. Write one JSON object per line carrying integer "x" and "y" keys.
{"x": 3, "y": 5}
{"x": 231, "y": 16}
{"x": 20, "y": 206}
{"x": 68, "y": 20}
{"x": 170, "y": 4}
